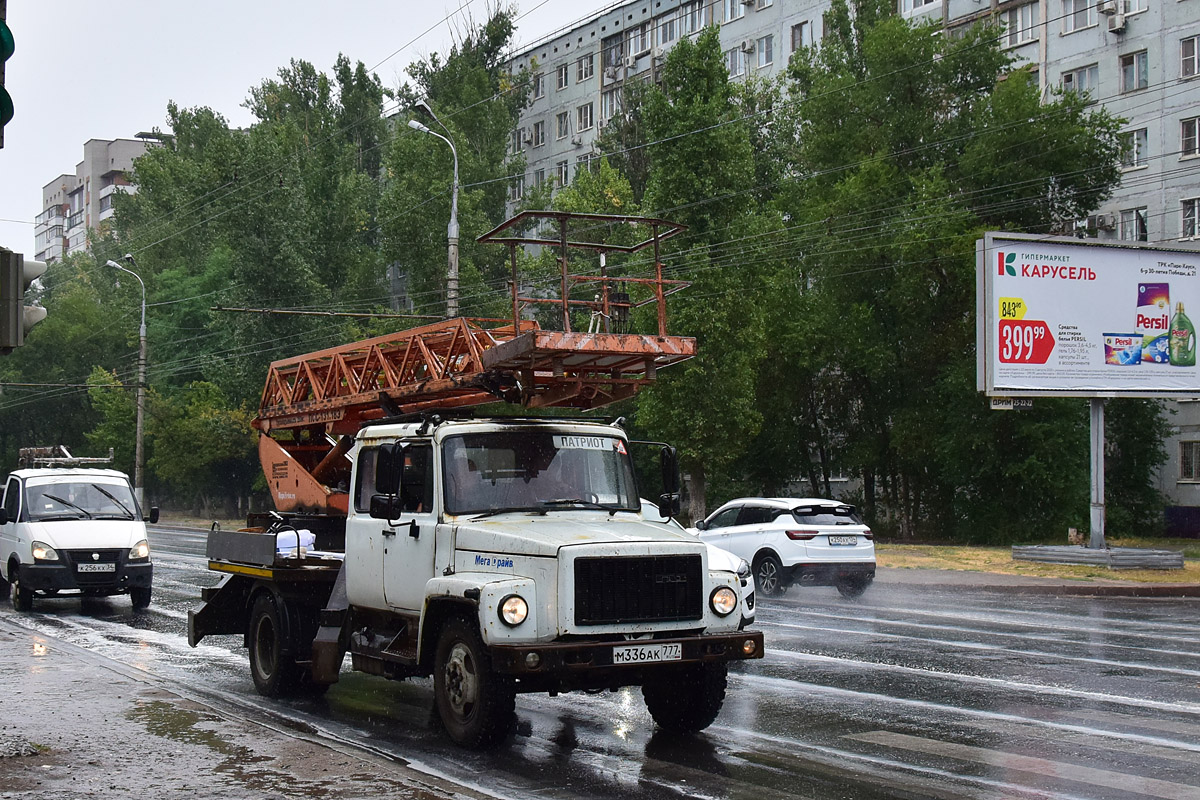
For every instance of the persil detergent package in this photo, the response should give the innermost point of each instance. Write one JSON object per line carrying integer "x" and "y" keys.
{"x": 1123, "y": 349}
{"x": 1153, "y": 321}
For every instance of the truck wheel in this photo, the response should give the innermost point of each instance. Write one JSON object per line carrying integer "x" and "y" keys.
{"x": 687, "y": 700}
{"x": 22, "y": 597}
{"x": 275, "y": 674}
{"x": 140, "y": 597}
{"x": 476, "y": 705}
{"x": 852, "y": 588}
{"x": 768, "y": 576}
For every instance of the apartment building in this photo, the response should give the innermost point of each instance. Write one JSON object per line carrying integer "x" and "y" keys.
{"x": 74, "y": 204}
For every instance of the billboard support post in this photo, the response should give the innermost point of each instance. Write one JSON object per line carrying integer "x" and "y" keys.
{"x": 1097, "y": 462}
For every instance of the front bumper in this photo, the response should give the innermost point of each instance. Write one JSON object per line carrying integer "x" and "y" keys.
{"x": 589, "y": 665}
{"x": 61, "y": 577}
{"x": 819, "y": 574}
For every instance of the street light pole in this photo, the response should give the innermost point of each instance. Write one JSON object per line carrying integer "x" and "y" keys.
{"x": 139, "y": 458}
{"x": 452, "y": 228}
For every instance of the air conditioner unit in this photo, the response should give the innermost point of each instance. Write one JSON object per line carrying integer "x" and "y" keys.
{"x": 630, "y": 62}
{"x": 610, "y": 73}
{"x": 1106, "y": 222}
{"x": 1116, "y": 23}
{"x": 528, "y": 138}
{"x": 747, "y": 46}
{"x": 577, "y": 140}
{"x": 659, "y": 52}
{"x": 1108, "y": 7}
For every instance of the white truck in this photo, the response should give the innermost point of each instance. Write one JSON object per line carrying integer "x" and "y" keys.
{"x": 500, "y": 556}
{"x": 68, "y": 527}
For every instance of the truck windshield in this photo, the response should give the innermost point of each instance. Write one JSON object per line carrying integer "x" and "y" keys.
{"x": 536, "y": 471}
{"x": 79, "y": 500}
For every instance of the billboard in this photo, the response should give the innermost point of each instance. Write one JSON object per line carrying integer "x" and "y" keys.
{"x": 1058, "y": 317}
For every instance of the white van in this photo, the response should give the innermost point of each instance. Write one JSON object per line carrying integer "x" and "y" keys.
{"x": 73, "y": 530}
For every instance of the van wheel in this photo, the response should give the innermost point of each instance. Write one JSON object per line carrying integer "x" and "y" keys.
{"x": 140, "y": 597}
{"x": 275, "y": 673}
{"x": 768, "y": 576}
{"x": 687, "y": 700}
{"x": 22, "y": 597}
{"x": 476, "y": 705}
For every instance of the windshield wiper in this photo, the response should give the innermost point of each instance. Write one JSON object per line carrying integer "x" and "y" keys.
{"x": 68, "y": 504}
{"x": 112, "y": 497}
{"x": 575, "y": 501}
{"x": 491, "y": 512}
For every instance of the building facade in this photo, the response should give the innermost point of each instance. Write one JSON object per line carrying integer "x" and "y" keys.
{"x": 74, "y": 204}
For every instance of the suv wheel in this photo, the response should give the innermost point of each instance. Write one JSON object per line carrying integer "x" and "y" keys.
{"x": 852, "y": 588}
{"x": 768, "y": 576}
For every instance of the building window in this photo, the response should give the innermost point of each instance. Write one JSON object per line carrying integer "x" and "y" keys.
{"x": 1083, "y": 80}
{"x": 1135, "y": 148}
{"x": 639, "y": 39}
{"x": 517, "y": 190}
{"x": 562, "y": 76}
{"x": 584, "y": 162}
{"x": 1189, "y": 141}
{"x": 908, "y": 6}
{"x": 585, "y": 117}
{"x": 539, "y": 133}
{"x": 1133, "y": 72}
{"x": 585, "y": 67}
{"x": 1189, "y": 57}
{"x": 734, "y": 9}
{"x": 514, "y": 146}
{"x": 736, "y": 60}
{"x": 802, "y": 35}
{"x": 564, "y": 172}
{"x": 539, "y": 177}
{"x": 539, "y": 86}
{"x": 1132, "y": 6}
{"x": 1191, "y": 216}
{"x": 1020, "y": 24}
{"x": 610, "y": 104}
{"x": 766, "y": 50}
{"x": 764, "y": 4}
{"x": 694, "y": 16}
{"x": 562, "y": 125}
{"x": 1078, "y": 14}
{"x": 613, "y": 52}
{"x": 668, "y": 29}
{"x": 1133, "y": 225}
{"x": 1189, "y": 461}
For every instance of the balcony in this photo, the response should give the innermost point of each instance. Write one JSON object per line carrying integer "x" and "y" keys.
{"x": 75, "y": 220}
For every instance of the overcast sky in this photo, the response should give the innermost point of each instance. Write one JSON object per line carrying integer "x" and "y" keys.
{"x": 106, "y": 70}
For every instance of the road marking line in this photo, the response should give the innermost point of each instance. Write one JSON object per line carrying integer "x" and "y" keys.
{"x": 1152, "y": 787}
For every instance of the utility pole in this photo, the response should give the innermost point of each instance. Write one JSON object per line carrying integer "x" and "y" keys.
{"x": 452, "y": 228}
{"x": 139, "y": 456}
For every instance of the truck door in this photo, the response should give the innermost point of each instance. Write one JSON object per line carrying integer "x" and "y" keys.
{"x": 408, "y": 540}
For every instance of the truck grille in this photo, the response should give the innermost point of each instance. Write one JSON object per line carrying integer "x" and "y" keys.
{"x": 641, "y": 589}
{"x": 73, "y": 557}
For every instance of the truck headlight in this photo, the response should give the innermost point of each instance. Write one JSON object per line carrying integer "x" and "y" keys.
{"x": 140, "y": 551}
{"x": 513, "y": 610}
{"x": 44, "y": 552}
{"x": 723, "y": 601}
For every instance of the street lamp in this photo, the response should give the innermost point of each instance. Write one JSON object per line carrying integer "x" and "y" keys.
{"x": 452, "y": 228}
{"x": 139, "y": 458}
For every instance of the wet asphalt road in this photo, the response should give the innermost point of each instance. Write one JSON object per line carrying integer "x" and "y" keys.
{"x": 910, "y": 692}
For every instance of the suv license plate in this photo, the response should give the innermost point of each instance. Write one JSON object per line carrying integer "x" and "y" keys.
{"x": 843, "y": 540}
{"x": 645, "y": 653}
{"x": 104, "y": 567}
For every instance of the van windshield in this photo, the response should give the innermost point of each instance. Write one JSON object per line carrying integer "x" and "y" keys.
{"x": 79, "y": 500}
{"x": 537, "y": 471}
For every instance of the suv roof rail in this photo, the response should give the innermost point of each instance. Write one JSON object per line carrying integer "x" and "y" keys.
{"x": 56, "y": 456}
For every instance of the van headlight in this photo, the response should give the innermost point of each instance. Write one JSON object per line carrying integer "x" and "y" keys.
{"x": 140, "y": 551}
{"x": 43, "y": 552}
{"x": 513, "y": 610}
{"x": 723, "y": 601}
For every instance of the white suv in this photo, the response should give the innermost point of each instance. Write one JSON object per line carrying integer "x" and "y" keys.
{"x": 787, "y": 541}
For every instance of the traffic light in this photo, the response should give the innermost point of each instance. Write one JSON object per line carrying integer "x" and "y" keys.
{"x": 16, "y": 318}
{"x": 6, "y": 49}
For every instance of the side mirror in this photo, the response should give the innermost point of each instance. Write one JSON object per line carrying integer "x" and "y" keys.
{"x": 385, "y": 506}
{"x": 3, "y": 517}
{"x": 153, "y": 518}
{"x": 701, "y": 526}
{"x": 668, "y": 501}
{"x": 389, "y": 465}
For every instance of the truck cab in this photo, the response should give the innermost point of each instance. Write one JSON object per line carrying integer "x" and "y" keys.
{"x": 73, "y": 530}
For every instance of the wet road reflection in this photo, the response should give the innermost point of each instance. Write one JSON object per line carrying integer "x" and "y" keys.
{"x": 904, "y": 693}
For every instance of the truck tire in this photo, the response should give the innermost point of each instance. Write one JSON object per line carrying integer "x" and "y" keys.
{"x": 476, "y": 705}
{"x": 768, "y": 576}
{"x": 275, "y": 673}
{"x": 22, "y": 597}
{"x": 140, "y": 597}
{"x": 686, "y": 700}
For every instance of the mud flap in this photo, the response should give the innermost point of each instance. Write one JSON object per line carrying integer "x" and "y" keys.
{"x": 329, "y": 645}
{"x": 223, "y": 611}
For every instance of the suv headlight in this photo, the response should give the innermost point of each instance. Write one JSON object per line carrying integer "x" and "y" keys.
{"x": 723, "y": 600}
{"x": 140, "y": 551}
{"x": 513, "y": 610}
{"x": 43, "y": 552}
{"x": 743, "y": 569}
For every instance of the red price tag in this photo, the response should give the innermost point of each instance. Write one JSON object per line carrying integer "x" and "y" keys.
{"x": 1025, "y": 341}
